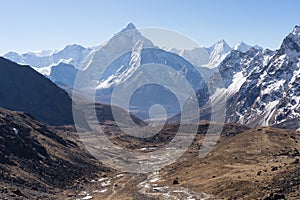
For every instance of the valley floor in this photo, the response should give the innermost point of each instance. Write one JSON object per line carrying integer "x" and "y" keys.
{"x": 260, "y": 163}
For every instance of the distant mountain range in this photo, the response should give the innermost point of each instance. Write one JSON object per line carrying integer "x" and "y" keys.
{"x": 62, "y": 66}
{"x": 261, "y": 85}
{"x": 71, "y": 54}
{"x": 44, "y": 60}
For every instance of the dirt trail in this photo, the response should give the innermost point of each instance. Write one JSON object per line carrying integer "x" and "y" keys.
{"x": 114, "y": 191}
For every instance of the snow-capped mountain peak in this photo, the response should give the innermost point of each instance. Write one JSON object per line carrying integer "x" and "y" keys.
{"x": 72, "y": 47}
{"x": 217, "y": 53}
{"x": 203, "y": 57}
{"x": 221, "y": 45}
{"x": 292, "y": 41}
{"x": 44, "y": 53}
{"x": 258, "y": 47}
{"x": 242, "y": 47}
{"x": 130, "y": 26}
{"x": 296, "y": 31}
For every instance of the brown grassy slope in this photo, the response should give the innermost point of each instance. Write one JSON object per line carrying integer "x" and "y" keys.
{"x": 249, "y": 165}
{"x": 36, "y": 160}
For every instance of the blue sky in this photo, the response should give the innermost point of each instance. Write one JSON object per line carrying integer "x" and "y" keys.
{"x": 39, "y": 24}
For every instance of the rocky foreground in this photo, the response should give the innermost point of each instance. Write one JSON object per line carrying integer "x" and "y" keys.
{"x": 39, "y": 162}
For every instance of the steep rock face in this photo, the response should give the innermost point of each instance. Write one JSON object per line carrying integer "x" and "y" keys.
{"x": 285, "y": 68}
{"x": 262, "y": 86}
{"x": 24, "y": 89}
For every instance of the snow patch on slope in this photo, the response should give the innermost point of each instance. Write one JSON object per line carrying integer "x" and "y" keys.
{"x": 121, "y": 74}
{"x": 46, "y": 71}
{"x": 237, "y": 82}
{"x": 269, "y": 110}
{"x": 234, "y": 87}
